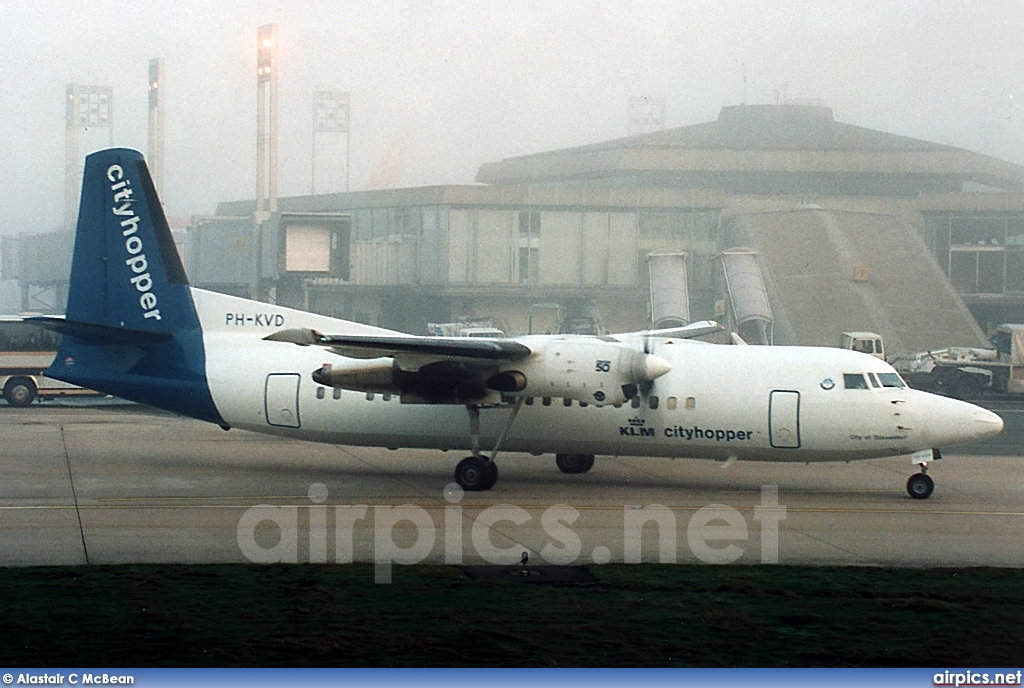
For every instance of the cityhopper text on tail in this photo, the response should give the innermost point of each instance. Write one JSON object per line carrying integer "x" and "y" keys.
{"x": 134, "y": 328}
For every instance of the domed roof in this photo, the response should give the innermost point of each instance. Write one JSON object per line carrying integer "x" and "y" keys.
{"x": 765, "y": 149}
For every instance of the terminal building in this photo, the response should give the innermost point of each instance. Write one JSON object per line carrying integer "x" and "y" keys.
{"x": 777, "y": 220}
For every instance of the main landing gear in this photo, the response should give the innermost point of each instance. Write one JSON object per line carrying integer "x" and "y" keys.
{"x": 574, "y": 463}
{"x": 920, "y": 485}
{"x": 478, "y": 472}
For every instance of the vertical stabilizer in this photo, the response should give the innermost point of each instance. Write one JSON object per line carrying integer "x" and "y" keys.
{"x": 126, "y": 271}
{"x": 131, "y": 327}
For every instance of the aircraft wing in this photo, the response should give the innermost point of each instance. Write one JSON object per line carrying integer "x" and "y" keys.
{"x": 697, "y": 329}
{"x": 593, "y": 370}
{"x": 373, "y": 346}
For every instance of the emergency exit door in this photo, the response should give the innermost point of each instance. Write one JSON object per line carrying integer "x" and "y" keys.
{"x": 281, "y": 400}
{"x": 784, "y": 419}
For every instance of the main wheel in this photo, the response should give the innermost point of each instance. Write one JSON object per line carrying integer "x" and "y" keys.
{"x": 20, "y": 391}
{"x": 493, "y": 474}
{"x": 574, "y": 463}
{"x": 920, "y": 486}
{"x": 476, "y": 474}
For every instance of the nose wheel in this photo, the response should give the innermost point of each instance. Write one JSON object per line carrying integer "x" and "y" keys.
{"x": 920, "y": 485}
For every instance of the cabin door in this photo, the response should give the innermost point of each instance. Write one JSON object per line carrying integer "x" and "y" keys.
{"x": 784, "y": 419}
{"x": 282, "y": 400}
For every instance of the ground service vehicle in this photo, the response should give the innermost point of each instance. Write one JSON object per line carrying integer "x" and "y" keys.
{"x": 968, "y": 372}
{"x": 471, "y": 328}
{"x": 26, "y": 350}
{"x": 869, "y": 343}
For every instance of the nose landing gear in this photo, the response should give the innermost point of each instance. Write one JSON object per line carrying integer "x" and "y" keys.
{"x": 920, "y": 485}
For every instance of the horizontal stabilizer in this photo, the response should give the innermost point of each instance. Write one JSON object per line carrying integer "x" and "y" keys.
{"x": 371, "y": 346}
{"x": 91, "y": 333}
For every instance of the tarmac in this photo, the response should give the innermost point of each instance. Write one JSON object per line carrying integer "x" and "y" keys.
{"x": 113, "y": 484}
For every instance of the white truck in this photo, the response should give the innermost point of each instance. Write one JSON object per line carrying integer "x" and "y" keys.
{"x": 864, "y": 342}
{"x": 963, "y": 372}
{"x": 466, "y": 328}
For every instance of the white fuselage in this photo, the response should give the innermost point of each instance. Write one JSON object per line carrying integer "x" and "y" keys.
{"x": 748, "y": 402}
{"x": 717, "y": 402}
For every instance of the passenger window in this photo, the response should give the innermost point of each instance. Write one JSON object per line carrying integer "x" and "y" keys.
{"x": 854, "y": 381}
{"x": 691, "y": 403}
{"x": 567, "y": 402}
{"x": 529, "y": 401}
{"x": 670, "y": 403}
{"x": 369, "y": 396}
{"x": 891, "y": 380}
{"x": 385, "y": 397}
{"x": 583, "y": 404}
{"x": 547, "y": 401}
{"x": 653, "y": 402}
{"x": 320, "y": 392}
{"x": 337, "y": 393}
{"x": 635, "y": 402}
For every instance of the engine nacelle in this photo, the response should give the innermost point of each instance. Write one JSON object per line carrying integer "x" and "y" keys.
{"x": 439, "y": 382}
{"x": 590, "y": 371}
{"x": 373, "y": 375}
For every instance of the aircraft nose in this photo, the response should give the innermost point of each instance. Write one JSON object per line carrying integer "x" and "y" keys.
{"x": 985, "y": 423}
{"x": 951, "y": 421}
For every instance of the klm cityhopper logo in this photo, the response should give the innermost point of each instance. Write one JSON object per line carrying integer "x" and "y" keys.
{"x": 636, "y": 428}
{"x": 122, "y": 208}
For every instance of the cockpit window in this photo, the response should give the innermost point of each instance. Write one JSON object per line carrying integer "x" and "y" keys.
{"x": 873, "y": 380}
{"x": 854, "y": 381}
{"x": 891, "y": 380}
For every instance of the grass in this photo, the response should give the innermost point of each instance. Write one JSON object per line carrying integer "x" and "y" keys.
{"x": 650, "y": 615}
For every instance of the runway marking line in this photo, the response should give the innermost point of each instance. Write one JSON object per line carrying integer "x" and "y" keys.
{"x": 528, "y": 507}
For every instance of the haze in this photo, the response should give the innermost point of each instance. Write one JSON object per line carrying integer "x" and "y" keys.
{"x": 467, "y": 83}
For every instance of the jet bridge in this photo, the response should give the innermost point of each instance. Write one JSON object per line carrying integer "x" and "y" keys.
{"x": 670, "y": 298}
{"x": 748, "y": 298}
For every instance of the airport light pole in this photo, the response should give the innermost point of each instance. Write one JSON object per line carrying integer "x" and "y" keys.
{"x": 85, "y": 107}
{"x": 266, "y": 122}
{"x": 646, "y": 115}
{"x": 331, "y": 113}
{"x": 155, "y": 150}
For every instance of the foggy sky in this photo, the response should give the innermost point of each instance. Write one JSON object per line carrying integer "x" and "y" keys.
{"x": 471, "y": 82}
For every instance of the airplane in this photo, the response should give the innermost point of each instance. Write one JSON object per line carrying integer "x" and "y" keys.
{"x": 136, "y": 329}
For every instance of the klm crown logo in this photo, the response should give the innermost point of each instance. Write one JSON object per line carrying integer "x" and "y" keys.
{"x": 636, "y": 427}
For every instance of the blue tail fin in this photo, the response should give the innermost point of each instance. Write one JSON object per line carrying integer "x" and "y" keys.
{"x": 126, "y": 271}
{"x": 131, "y": 327}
